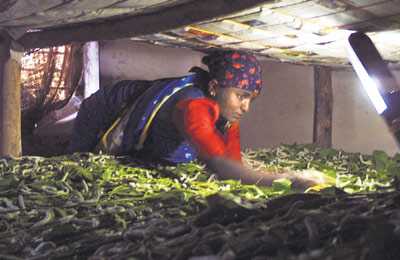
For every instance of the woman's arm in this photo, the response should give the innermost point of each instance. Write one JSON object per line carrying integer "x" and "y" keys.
{"x": 229, "y": 169}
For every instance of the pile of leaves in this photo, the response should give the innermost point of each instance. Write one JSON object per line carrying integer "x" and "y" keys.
{"x": 103, "y": 207}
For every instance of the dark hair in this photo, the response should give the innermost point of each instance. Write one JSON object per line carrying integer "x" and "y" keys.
{"x": 214, "y": 60}
{"x": 202, "y": 79}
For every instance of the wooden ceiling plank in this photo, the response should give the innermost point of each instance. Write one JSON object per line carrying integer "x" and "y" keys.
{"x": 124, "y": 27}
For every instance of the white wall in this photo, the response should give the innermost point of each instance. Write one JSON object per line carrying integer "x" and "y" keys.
{"x": 284, "y": 111}
{"x": 125, "y": 59}
{"x": 356, "y": 125}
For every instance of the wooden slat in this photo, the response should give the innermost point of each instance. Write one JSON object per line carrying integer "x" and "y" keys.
{"x": 322, "y": 135}
{"x": 117, "y": 28}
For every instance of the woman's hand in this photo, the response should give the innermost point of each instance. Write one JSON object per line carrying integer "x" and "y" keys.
{"x": 305, "y": 179}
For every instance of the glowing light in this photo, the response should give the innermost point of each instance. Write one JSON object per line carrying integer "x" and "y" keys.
{"x": 370, "y": 85}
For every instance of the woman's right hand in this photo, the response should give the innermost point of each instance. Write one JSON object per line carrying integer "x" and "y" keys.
{"x": 308, "y": 178}
{"x": 227, "y": 169}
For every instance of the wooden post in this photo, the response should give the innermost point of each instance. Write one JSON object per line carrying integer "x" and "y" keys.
{"x": 10, "y": 102}
{"x": 322, "y": 135}
{"x": 91, "y": 68}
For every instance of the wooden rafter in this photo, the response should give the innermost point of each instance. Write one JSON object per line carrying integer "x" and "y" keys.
{"x": 124, "y": 27}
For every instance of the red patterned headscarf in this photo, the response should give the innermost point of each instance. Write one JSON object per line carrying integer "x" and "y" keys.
{"x": 235, "y": 69}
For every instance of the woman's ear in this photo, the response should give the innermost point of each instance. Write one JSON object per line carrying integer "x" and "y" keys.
{"x": 212, "y": 87}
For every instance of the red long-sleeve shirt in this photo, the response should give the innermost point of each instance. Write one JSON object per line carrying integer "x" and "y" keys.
{"x": 196, "y": 119}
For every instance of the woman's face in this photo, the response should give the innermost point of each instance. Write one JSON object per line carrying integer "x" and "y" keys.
{"x": 233, "y": 102}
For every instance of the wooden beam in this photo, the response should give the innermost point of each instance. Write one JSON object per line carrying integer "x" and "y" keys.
{"x": 131, "y": 26}
{"x": 322, "y": 135}
{"x": 10, "y": 102}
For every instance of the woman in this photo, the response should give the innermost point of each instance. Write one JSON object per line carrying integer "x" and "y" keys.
{"x": 179, "y": 119}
